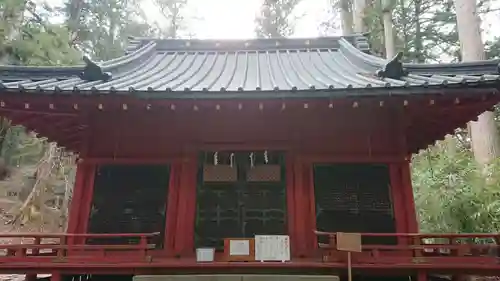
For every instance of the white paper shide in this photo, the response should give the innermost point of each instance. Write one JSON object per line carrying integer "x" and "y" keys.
{"x": 272, "y": 248}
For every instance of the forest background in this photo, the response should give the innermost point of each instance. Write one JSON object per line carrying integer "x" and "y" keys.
{"x": 456, "y": 181}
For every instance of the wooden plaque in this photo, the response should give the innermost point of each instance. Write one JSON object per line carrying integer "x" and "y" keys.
{"x": 349, "y": 242}
{"x": 239, "y": 249}
{"x": 219, "y": 173}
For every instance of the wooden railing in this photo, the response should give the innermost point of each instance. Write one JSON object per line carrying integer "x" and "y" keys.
{"x": 433, "y": 249}
{"x": 29, "y": 247}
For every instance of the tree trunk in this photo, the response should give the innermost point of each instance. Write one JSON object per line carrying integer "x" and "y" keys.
{"x": 483, "y": 132}
{"x": 390, "y": 45}
{"x": 419, "y": 44}
{"x": 346, "y": 17}
{"x": 359, "y": 16}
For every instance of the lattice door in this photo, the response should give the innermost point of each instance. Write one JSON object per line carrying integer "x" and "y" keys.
{"x": 238, "y": 199}
{"x": 129, "y": 199}
{"x": 353, "y": 198}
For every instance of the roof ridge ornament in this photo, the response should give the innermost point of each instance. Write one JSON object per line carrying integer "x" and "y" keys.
{"x": 93, "y": 72}
{"x": 393, "y": 68}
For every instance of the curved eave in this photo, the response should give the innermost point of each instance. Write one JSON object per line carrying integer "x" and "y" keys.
{"x": 310, "y": 93}
{"x": 471, "y": 68}
{"x": 55, "y": 73}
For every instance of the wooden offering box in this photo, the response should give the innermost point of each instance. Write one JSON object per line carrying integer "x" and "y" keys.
{"x": 239, "y": 249}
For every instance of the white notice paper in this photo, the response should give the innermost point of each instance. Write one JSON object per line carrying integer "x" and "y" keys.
{"x": 239, "y": 247}
{"x": 272, "y": 248}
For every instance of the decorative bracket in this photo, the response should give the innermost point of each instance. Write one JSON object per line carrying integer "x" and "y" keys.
{"x": 93, "y": 72}
{"x": 394, "y": 68}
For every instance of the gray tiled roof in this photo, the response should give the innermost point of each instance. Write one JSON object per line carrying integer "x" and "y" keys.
{"x": 268, "y": 65}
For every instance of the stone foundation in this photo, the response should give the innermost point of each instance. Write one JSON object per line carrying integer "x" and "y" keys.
{"x": 235, "y": 277}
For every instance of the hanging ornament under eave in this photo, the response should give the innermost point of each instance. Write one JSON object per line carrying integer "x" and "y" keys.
{"x": 252, "y": 160}
{"x": 231, "y": 159}
{"x": 266, "y": 157}
{"x": 216, "y": 158}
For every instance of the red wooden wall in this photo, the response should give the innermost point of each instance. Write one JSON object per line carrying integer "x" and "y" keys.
{"x": 307, "y": 134}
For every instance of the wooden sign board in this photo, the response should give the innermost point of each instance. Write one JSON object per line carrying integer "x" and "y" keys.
{"x": 349, "y": 242}
{"x": 272, "y": 248}
{"x": 239, "y": 249}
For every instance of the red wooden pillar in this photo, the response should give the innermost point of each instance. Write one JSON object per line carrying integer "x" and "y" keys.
{"x": 302, "y": 218}
{"x": 191, "y": 179}
{"x": 186, "y": 208}
{"x": 76, "y": 201}
{"x": 172, "y": 205}
{"x": 290, "y": 202}
{"x": 86, "y": 200}
{"x": 311, "y": 238}
{"x": 398, "y": 199}
{"x": 407, "y": 190}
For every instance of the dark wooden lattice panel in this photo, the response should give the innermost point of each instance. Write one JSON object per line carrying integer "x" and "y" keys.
{"x": 353, "y": 198}
{"x": 129, "y": 199}
{"x": 264, "y": 209}
{"x": 252, "y": 204}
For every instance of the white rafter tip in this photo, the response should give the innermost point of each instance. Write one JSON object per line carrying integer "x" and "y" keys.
{"x": 381, "y": 103}
{"x": 405, "y": 103}
{"x": 172, "y": 106}
{"x": 306, "y": 106}
{"x": 51, "y": 106}
{"x": 2, "y": 104}
{"x": 148, "y": 107}
{"x": 124, "y": 106}
{"x": 27, "y": 106}
{"x": 240, "y": 106}
{"x": 283, "y": 106}
{"x": 355, "y": 104}
{"x": 217, "y": 107}
{"x": 195, "y": 107}
{"x": 75, "y": 106}
{"x": 432, "y": 102}
{"x": 100, "y": 106}
{"x": 261, "y": 106}
{"x": 457, "y": 101}
{"x": 330, "y": 105}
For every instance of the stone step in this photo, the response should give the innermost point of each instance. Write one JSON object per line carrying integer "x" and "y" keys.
{"x": 236, "y": 277}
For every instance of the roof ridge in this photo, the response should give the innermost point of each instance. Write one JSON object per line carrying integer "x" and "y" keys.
{"x": 250, "y": 44}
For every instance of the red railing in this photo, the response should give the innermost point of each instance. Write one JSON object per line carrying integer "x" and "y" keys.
{"x": 29, "y": 247}
{"x": 439, "y": 250}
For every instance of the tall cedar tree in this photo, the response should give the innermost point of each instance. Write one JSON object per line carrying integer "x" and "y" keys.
{"x": 275, "y": 19}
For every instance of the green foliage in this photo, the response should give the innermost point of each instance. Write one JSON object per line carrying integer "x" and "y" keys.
{"x": 276, "y": 18}
{"x": 101, "y": 28}
{"x": 452, "y": 194}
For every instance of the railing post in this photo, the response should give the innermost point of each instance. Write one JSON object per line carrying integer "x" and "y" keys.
{"x": 417, "y": 241}
{"x": 143, "y": 242}
{"x": 62, "y": 250}
{"x": 37, "y": 242}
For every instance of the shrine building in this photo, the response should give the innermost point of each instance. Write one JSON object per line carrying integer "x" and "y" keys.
{"x": 190, "y": 145}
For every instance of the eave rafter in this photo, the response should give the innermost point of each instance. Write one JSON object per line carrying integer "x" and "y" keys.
{"x": 49, "y": 116}
{"x": 428, "y": 126}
